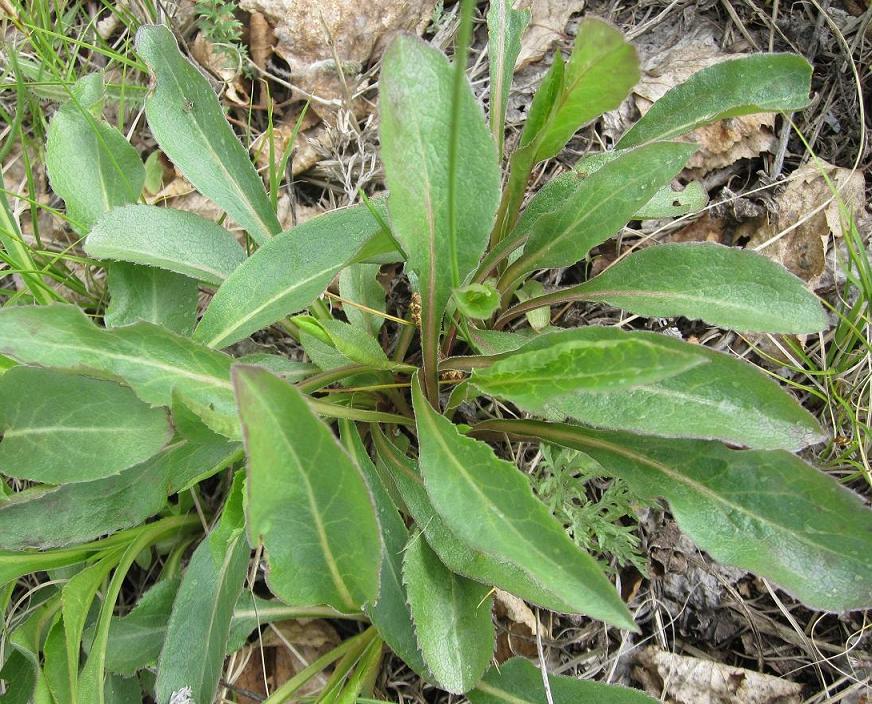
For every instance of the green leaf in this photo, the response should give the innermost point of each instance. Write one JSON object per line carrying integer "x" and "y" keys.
{"x": 723, "y": 286}
{"x": 117, "y": 690}
{"x": 288, "y": 369}
{"x": 170, "y": 239}
{"x": 287, "y": 274}
{"x": 488, "y": 503}
{"x": 600, "y": 72}
{"x": 453, "y": 552}
{"x": 153, "y": 295}
{"x": 477, "y": 301}
{"x": 441, "y": 218}
{"x": 359, "y": 283}
{"x": 505, "y": 26}
{"x": 587, "y": 359}
{"x": 744, "y": 86}
{"x": 452, "y": 617}
{"x": 539, "y": 318}
{"x": 307, "y": 499}
{"x": 135, "y": 640}
{"x": 519, "y": 681}
{"x": 767, "y": 512}
{"x": 600, "y": 206}
{"x": 60, "y": 428}
{"x": 76, "y": 598}
{"x": 188, "y": 123}
{"x": 193, "y": 653}
{"x": 89, "y": 163}
{"x": 725, "y": 399}
{"x": 353, "y": 343}
{"x": 153, "y": 361}
{"x": 669, "y": 203}
{"x": 390, "y": 612}
{"x": 50, "y": 517}
{"x": 55, "y": 667}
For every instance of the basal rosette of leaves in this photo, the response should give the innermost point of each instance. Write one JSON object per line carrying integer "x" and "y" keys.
{"x": 397, "y": 518}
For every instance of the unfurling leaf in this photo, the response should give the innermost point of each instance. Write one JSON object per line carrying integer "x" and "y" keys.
{"x": 307, "y": 499}
{"x": 477, "y": 301}
{"x": 452, "y": 617}
{"x": 60, "y": 428}
{"x": 488, "y": 503}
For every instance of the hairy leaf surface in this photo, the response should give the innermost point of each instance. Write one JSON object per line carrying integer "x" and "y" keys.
{"x": 307, "y": 499}
{"x": 519, "y": 681}
{"x": 390, "y": 612}
{"x": 743, "y": 86}
{"x": 288, "y": 273}
{"x": 455, "y": 554}
{"x": 588, "y": 359}
{"x": 441, "y": 219}
{"x": 152, "y": 295}
{"x": 153, "y": 361}
{"x": 175, "y": 240}
{"x": 768, "y": 512}
{"x": 452, "y": 617}
{"x": 188, "y": 123}
{"x": 60, "y": 428}
{"x": 488, "y": 503}
{"x": 193, "y": 652}
{"x": 725, "y": 399}
{"x": 723, "y": 286}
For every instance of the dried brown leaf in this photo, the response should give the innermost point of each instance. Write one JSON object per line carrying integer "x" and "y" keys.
{"x": 547, "y": 24}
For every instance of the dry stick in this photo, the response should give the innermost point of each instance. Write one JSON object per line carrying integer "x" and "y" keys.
{"x": 542, "y": 664}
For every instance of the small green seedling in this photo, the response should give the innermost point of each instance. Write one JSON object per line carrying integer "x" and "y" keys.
{"x": 403, "y": 520}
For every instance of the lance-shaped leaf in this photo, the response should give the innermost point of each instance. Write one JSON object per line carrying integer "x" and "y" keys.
{"x": 289, "y": 272}
{"x": 390, "y": 612}
{"x": 488, "y": 503}
{"x": 455, "y": 554}
{"x": 94, "y": 169}
{"x": 724, "y": 286}
{"x": 307, "y": 499}
{"x": 600, "y": 72}
{"x": 90, "y": 164}
{"x": 152, "y": 361}
{"x": 588, "y": 359}
{"x": 744, "y": 86}
{"x": 725, "y": 399}
{"x": 193, "y": 653}
{"x": 440, "y": 217}
{"x": 60, "y": 428}
{"x": 358, "y": 283}
{"x": 170, "y": 239}
{"x": 767, "y": 512}
{"x": 188, "y": 123}
{"x": 352, "y": 342}
{"x": 519, "y": 681}
{"x": 50, "y": 517}
{"x": 144, "y": 293}
{"x": 452, "y": 617}
{"x": 505, "y": 26}
{"x": 601, "y": 204}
